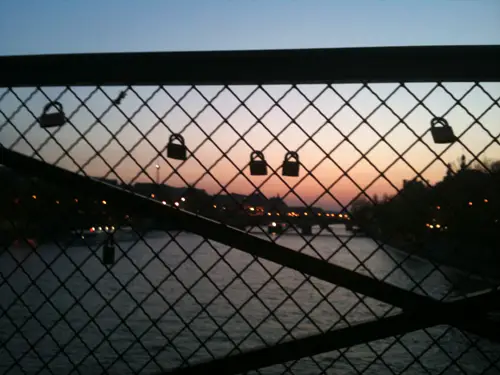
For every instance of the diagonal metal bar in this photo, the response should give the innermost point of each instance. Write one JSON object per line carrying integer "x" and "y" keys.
{"x": 221, "y": 233}
{"x": 235, "y": 238}
{"x": 339, "y": 338}
{"x": 309, "y": 346}
{"x": 229, "y": 236}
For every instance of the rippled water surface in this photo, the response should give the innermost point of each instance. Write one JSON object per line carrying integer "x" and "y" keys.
{"x": 125, "y": 321}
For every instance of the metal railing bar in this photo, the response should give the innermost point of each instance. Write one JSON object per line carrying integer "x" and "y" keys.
{"x": 340, "y": 65}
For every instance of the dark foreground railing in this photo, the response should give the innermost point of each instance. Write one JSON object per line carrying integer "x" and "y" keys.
{"x": 195, "y": 144}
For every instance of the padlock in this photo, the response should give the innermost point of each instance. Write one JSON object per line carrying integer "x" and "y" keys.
{"x": 108, "y": 253}
{"x": 258, "y": 165}
{"x": 176, "y": 150}
{"x": 50, "y": 120}
{"x": 291, "y": 164}
{"x": 441, "y": 131}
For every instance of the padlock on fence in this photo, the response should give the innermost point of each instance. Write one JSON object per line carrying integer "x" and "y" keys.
{"x": 177, "y": 150}
{"x": 258, "y": 164}
{"x": 441, "y": 131}
{"x": 291, "y": 164}
{"x": 108, "y": 252}
{"x": 53, "y": 119}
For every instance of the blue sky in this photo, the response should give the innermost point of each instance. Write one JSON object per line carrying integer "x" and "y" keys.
{"x": 71, "y": 26}
{"x": 60, "y": 26}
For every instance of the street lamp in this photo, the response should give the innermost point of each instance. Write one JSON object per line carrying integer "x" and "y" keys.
{"x": 157, "y": 166}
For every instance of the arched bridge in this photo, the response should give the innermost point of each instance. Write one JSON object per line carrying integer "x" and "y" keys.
{"x": 304, "y": 222}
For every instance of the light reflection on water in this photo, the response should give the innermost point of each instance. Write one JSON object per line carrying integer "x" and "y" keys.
{"x": 173, "y": 325}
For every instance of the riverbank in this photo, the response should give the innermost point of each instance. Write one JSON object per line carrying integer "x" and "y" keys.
{"x": 444, "y": 253}
{"x": 66, "y": 237}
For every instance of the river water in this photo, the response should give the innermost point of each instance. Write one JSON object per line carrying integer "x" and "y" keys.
{"x": 100, "y": 326}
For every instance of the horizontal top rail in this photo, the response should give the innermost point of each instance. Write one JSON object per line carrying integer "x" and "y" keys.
{"x": 342, "y": 65}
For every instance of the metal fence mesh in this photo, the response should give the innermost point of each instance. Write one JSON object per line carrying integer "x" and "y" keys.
{"x": 170, "y": 298}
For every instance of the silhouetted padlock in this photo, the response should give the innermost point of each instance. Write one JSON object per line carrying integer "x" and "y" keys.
{"x": 108, "y": 253}
{"x": 441, "y": 131}
{"x": 50, "y": 120}
{"x": 258, "y": 165}
{"x": 176, "y": 150}
{"x": 291, "y": 164}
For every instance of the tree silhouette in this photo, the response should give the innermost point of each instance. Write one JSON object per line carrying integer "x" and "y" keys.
{"x": 461, "y": 211}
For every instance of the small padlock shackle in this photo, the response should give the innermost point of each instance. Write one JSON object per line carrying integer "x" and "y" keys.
{"x": 57, "y": 105}
{"x": 440, "y": 121}
{"x": 256, "y": 154}
{"x": 177, "y": 137}
{"x": 292, "y": 155}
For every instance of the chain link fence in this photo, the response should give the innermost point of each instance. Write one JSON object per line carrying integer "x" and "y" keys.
{"x": 295, "y": 212}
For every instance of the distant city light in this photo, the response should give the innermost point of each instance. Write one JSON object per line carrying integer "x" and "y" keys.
{"x": 215, "y": 206}
{"x": 104, "y": 202}
{"x": 163, "y": 202}
{"x": 183, "y": 199}
{"x": 438, "y": 226}
{"x": 33, "y": 196}
{"x": 152, "y": 195}
{"x": 268, "y": 214}
{"x": 57, "y": 202}
{"x": 438, "y": 207}
{"x": 431, "y": 226}
{"x": 273, "y": 224}
{"x": 486, "y": 201}
{"x": 470, "y": 203}
{"x": 176, "y": 204}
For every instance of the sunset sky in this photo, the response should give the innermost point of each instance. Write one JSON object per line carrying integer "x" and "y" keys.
{"x": 37, "y": 27}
